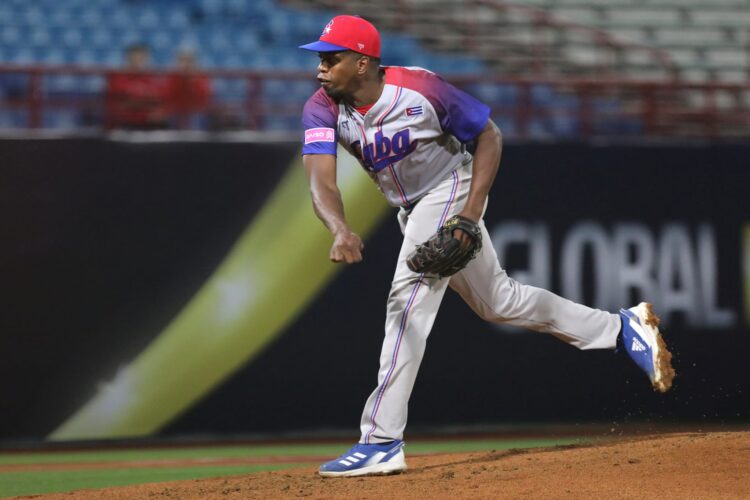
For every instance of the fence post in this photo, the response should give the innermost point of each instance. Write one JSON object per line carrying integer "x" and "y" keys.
{"x": 254, "y": 102}
{"x": 586, "y": 111}
{"x": 35, "y": 99}
{"x": 523, "y": 109}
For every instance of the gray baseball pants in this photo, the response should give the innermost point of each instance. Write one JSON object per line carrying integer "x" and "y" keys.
{"x": 414, "y": 300}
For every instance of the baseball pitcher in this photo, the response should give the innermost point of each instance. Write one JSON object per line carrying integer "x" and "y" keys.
{"x": 408, "y": 128}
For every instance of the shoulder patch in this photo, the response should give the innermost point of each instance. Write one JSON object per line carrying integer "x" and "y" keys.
{"x": 320, "y": 134}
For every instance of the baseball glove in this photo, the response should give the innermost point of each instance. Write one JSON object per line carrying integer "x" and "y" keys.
{"x": 442, "y": 253}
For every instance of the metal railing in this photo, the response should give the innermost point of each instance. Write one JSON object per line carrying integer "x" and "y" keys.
{"x": 524, "y": 107}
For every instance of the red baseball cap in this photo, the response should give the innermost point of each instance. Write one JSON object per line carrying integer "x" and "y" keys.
{"x": 347, "y": 33}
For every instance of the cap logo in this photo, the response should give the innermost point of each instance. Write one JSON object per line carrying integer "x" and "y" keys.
{"x": 346, "y": 33}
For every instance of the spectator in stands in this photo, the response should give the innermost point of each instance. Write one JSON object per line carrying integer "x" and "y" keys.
{"x": 135, "y": 98}
{"x": 188, "y": 91}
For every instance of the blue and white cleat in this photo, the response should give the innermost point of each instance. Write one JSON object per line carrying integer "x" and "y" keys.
{"x": 367, "y": 459}
{"x": 641, "y": 338}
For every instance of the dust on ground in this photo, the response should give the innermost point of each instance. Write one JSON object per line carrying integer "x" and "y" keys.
{"x": 687, "y": 465}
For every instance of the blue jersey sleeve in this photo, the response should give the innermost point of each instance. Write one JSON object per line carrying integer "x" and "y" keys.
{"x": 320, "y": 122}
{"x": 460, "y": 114}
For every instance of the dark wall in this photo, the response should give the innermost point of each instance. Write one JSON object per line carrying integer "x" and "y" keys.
{"x": 104, "y": 242}
{"x": 690, "y": 203}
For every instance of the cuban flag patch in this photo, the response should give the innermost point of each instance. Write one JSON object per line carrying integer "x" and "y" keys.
{"x": 413, "y": 111}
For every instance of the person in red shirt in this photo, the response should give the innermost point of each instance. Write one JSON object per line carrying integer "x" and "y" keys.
{"x": 135, "y": 98}
{"x": 188, "y": 91}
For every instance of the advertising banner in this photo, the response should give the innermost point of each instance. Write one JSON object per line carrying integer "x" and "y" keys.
{"x": 185, "y": 288}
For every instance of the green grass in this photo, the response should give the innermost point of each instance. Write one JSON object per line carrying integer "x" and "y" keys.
{"x": 26, "y": 483}
{"x": 37, "y": 482}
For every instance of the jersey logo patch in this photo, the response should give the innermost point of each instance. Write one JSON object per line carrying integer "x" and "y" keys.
{"x": 416, "y": 110}
{"x": 319, "y": 135}
{"x": 387, "y": 150}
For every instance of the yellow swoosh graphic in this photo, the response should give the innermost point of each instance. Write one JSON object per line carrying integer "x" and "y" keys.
{"x": 271, "y": 274}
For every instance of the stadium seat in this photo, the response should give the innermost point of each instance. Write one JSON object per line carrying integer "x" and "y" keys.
{"x": 51, "y": 56}
{"x": 12, "y": 118}
{"x": 282, "y": 123}
{"x": 22, "y": 56}
{"x": 177, "y": 19}
{"x": 11, "y": 36}
{"x": 101, "y": 37}
{"x": 229, "y": 89}
{"x": 60, "y": 118}
{"x": 228, "y": 33}
{"x": 72, "y": 38}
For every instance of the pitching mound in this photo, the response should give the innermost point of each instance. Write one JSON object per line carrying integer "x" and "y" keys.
{"x": 712, "y": 465}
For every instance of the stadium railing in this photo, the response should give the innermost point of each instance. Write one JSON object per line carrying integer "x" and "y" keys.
{"x": 524, "y": 107}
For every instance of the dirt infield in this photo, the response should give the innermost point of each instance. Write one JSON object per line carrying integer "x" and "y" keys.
{"x": 698, "y": 465}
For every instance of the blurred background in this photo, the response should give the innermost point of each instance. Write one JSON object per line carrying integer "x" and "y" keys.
{"x": 164, "y": 275}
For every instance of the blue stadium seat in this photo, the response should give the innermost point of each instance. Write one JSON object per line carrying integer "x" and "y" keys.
{"x": 282, "y": 123}
{"x": 70, "y": 55}
{"x": 541, "y": 128}
{"x": 39, "y": 37}
{"x": 147, "y": 19}
{"x": 6, "y": 15}
{"x": 11, "y": 36}
{"x": 100, "y": 37}
{"x": 61, "y": 119}
{"x": 92, "y": 17}
{"x": 542, "y": 96}
{"x": 567, "y": 101}
{"x": 15, "y": 85}
{"x": 250, "y": 34}
{"x": 93, "y": 84}
{"x": 61, "y": 17}
{"x": 275, "y": 91}
{"x": 211, "y": 8}
{"x": 420, "y": 60}
{"x": 85, "y": 57}
{"x": 113, "y": 58}
{"x": 494, "y": 94}
{"x": 59, "y": 84}
{"x": 22, "y": 56}
{"x": 226, "y": 59}
{"x": 177, "y": 19}
{"x": 262, "y": 59}
{"x": 66, "y": 84}
{"x": 159, "y": 40}
{"x": 31, "y": 15}
{"x": 507, "y": 125}
{"x": 229, "y": 89}
{"x": 127, "y": 36}
{"x": 162, "y": 58}
{"x": 403, "y": 42}
{"x": 235, "y": 8}
{"x": 309, "y": 26}
{"x": 72, "y": 37}
{"x": 121, "y": 18}
{"x": 281, "y": 26}
{"x": 246, "y": 42}
{"x": 51, "y": 56}
{"x": 218, "y": 41}
{"x": 13, "y": 118}
{"x": 565, "y": 125}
